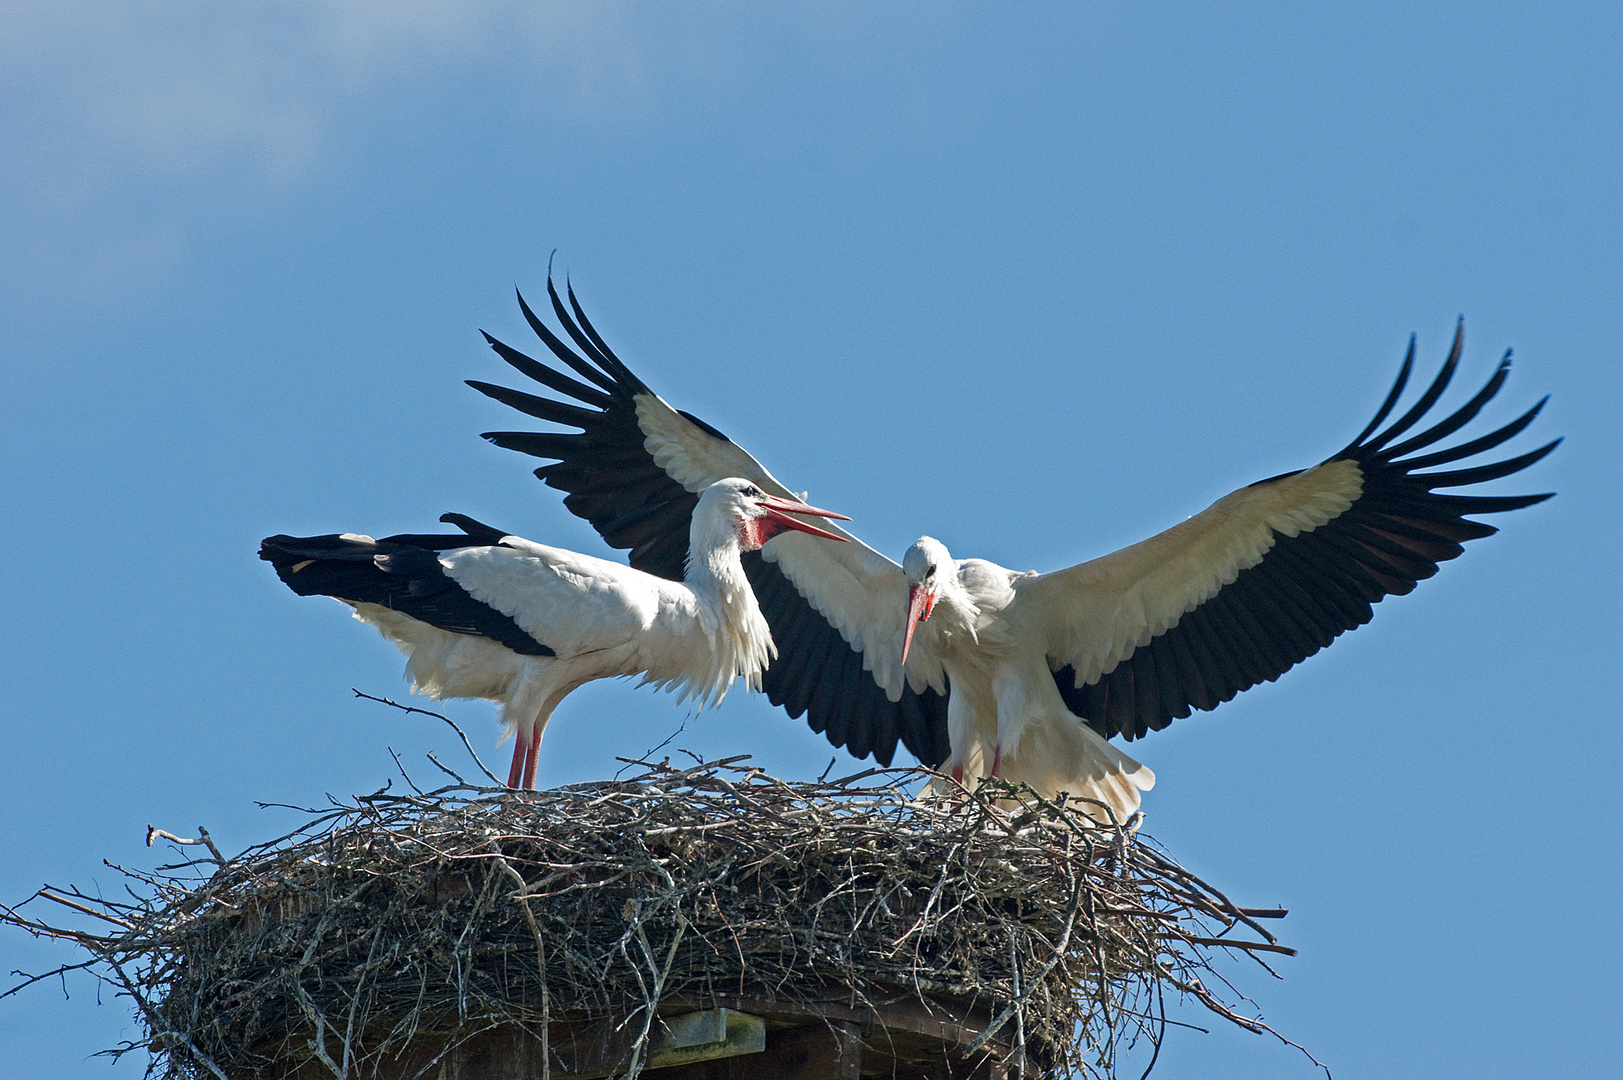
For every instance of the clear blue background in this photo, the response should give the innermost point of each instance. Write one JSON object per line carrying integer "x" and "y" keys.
{"x": 1039, "y": 280}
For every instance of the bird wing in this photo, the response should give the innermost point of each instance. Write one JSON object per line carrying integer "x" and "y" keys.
{"x": 1273, "y": 572}
{"x": 634, "y": 467}
{"x": 403, "y": 573}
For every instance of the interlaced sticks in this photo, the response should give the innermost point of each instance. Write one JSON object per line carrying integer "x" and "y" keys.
{"x": 395, "y": 926}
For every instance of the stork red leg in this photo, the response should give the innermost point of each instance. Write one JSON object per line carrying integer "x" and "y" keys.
{"x": 521, "y": 746}
{"x": 531, "y": 753}
{"x": 997, "y": 761}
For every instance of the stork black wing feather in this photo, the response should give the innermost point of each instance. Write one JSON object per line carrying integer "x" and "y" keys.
{"x": 552, "y": 380}
{"x": 1459, "y": 418}
{"x": 1429, "y": 398}
{"x": 559, "y": 349}
{"x": 539, "y": 407}
{"x": 1478, "y": 445}
{"x": 1386, "y": 406}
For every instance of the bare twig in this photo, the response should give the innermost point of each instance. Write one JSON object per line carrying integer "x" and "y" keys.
{"x": 202, "y": 838}
{"x": 440, "y": 716}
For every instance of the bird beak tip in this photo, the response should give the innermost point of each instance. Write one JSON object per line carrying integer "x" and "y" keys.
{"x": 791, "y": 506}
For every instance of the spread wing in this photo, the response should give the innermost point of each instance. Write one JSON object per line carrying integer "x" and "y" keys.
{"x": 633, "y": 467}
{"x": 1272, "y": 573}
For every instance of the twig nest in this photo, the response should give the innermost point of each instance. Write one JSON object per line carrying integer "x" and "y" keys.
{"x": 399, "y": 926}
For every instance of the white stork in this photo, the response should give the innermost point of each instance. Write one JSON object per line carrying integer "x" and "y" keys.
{"x": 1023, "y": 674}
{"x": 488, "y": 615}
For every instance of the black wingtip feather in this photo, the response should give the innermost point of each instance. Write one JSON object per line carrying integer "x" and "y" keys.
{"x": 1480, "y": 444}
{"x": 1456, "y": 420}
{"x": 563, "y": 352}
{"x": 1427, "y": 399}
{"x": 483, "y": 535}
{"x": 541, "y": 408}
{"x": 1391, "y": 398}
{"x": 554, "y": 380}
{"x": 586, "y": 324}
{"x": 1482, "y": 473}
{"x": 575, "y": 333}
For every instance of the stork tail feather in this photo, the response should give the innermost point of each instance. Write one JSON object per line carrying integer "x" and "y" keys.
{"x": 1072, "y": 757}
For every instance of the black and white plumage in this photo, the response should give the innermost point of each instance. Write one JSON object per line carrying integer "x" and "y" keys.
{"x": 984, "y": 670}
{"x": 488, "y": 615}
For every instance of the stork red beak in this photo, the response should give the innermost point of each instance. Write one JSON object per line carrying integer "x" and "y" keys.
{"x": 920, "y": 602}
{"x": 776, "y": 518}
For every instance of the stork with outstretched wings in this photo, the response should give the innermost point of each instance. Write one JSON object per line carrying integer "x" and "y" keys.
{"x": 986, "y": 671}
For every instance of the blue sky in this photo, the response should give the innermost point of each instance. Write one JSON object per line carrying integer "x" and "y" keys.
{"x": 1039, "y": 281}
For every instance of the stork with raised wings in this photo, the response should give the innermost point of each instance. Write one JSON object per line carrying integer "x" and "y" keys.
{"x": 487, "y": 615}
{"x": 983, "y": 670}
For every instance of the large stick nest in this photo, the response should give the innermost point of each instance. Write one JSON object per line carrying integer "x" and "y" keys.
{"x": 399, "y": 922}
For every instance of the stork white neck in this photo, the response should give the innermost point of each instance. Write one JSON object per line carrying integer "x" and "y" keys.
{"x": 734, "y": 516}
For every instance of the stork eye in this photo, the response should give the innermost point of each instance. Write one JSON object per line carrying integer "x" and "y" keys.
{"x": 753, "y": 492}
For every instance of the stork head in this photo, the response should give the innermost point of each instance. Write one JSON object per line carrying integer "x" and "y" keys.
{"x": 756, "y": 517}
{"x": 927, "y": 565}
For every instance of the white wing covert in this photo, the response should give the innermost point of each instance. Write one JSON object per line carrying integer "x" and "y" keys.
{"x": 573, "y": 602}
